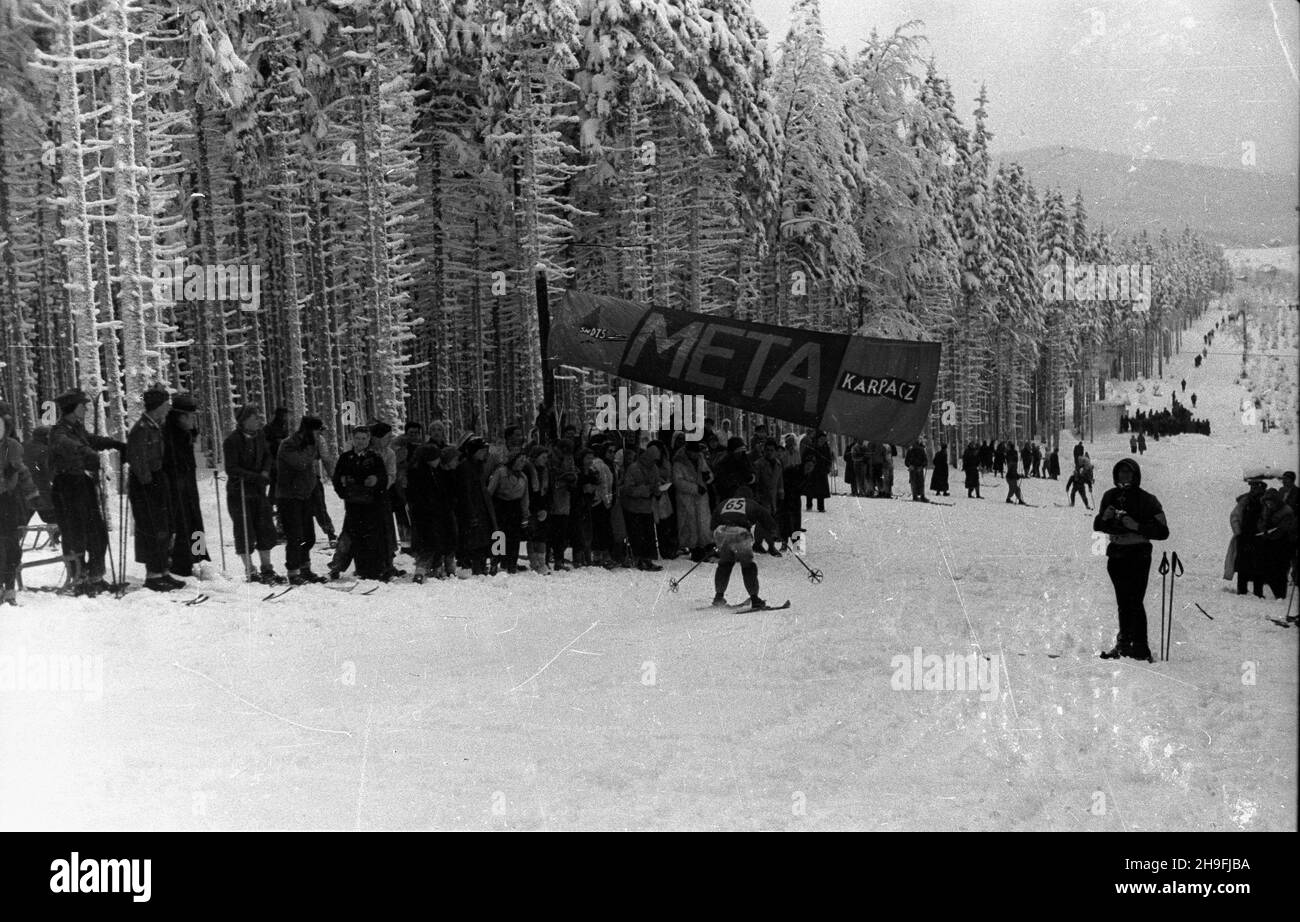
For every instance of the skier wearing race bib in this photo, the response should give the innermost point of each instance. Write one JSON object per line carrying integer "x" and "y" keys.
{"x": 733, "y": 521}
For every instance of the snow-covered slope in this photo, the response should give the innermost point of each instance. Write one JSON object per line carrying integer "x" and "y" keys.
{"x": 595, "y": 699}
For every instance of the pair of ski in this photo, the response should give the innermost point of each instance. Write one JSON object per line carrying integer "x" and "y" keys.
{"x": 741, "y": 608}
{"x": 349, "y": 588}
{"x": 190, "y": 603}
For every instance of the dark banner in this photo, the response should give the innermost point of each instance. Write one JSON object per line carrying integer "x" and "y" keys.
{"x": 876, "y": 389}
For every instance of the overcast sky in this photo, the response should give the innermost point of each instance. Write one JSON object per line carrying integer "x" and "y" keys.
{"x": 1188, "y": 80}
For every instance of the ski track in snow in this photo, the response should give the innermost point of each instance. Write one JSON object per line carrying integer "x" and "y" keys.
{"x": 677, "y": 718}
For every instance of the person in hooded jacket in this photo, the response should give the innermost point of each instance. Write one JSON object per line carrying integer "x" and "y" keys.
{"x": 1133, "y": 518}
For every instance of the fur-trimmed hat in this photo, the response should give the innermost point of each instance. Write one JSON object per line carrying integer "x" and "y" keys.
{"x": 184, "y": 403}
{"x": 380, "y": 429}
{"x": 246, "y": 411}
{"x": 311, "y": 424}
{"x": 735, "y": 442}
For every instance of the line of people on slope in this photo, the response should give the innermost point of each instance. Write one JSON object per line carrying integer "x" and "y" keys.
{"x": 475, "y": 507}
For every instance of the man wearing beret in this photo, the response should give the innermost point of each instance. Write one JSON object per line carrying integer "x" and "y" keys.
{"x": 150, "y": 492}
{"x": 74, "y": 466}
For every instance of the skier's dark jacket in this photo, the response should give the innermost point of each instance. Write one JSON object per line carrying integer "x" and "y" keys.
{"x": 248, "y": 459}
{"x": 73, "y": 450}
{"x": 1144, "y": 508}
{"x": 743, "y": 510}
{"x": 351, "y": 472}
{"x": 915, "y": 457}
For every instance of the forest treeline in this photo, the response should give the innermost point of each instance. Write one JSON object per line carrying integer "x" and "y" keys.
{"x": 377, "y": 184}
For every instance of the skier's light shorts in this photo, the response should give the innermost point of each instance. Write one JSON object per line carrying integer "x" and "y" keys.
{"x": 735, "y": 544}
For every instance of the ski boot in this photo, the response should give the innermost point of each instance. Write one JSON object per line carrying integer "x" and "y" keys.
{"x": 719, "y": 601}
{"x": 268, "y": 577}
{"x": 757, "y": 604}
{"x": 9, "y": 598}
{"x": 159, "y": 584}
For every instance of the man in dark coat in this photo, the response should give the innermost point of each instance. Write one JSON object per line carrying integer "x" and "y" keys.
{"x": 1013, "y": 476}
{"x": 74, "y": 465}
{"x": 915, "y": 461}
{"x": 431, "y": 499}
{"x": 297, "y": 475}
{"x": 1276, "y": 537}
{"x": 970, "y": 465}
{"x": 1054, "y": 465}
{"x": 190, "y": 544}
{"x": 939, "y": 479}
{"x": 1133, "y": 518}
{"x": 248, "y": 478}
{"x": 475, "y": 517}
{"x": 817, "y": 484}
{"x": 151, "y": 492}
{"x": 361, "y": 481}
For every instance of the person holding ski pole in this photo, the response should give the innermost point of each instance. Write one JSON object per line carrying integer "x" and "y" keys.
{"x": 74, "y": 462}
{"x": 1133, "y": 518}
{"x": 150, "y": 491}
{"x": 733, "y": 521}
{"x": 248, "y": 475}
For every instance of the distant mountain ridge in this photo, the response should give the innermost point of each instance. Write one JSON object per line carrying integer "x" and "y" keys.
{"x": 1235, "y": 208}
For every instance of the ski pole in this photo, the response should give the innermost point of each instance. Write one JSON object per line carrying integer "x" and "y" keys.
{"x": 103, "y": 505}
{"x": 243, "y": 514}
{"x": 1175, "y": 571}
{"x": 221, "y": 529}
{"x": 674, "y": 583}
{"x": 120, "y": 589}
{"x": 1164, "y": 572}
{"x": 814, "y": 575}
